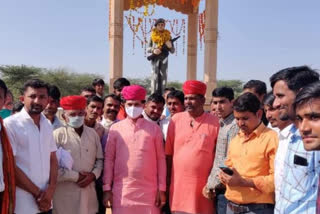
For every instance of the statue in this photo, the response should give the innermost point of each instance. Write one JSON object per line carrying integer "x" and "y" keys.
{"x": 160, "y": 45}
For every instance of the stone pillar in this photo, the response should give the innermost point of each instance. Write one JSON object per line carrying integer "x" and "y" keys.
{"x": 192, "y": 46}
{"x": 116, "y": 41}
{"x": 211, "y": 35}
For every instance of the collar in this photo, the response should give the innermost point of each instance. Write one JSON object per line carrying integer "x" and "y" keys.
{"x": 229, "y": 119}
{"x": 144, "y": 114}
{"x": 257, "y": 132}
{"x": 284, "y": 133}
{"x": 198, "y": 119}
{"x": 137, "y": 123}
{"x": 106, "y": 120}
{"x": 25, "y": 115}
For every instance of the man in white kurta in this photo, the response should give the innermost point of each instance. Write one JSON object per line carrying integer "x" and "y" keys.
{"x": 34, "y": 150}
{"x": 75, "y": 192}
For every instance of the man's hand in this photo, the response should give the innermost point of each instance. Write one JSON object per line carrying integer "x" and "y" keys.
{"x": 169, "y": 44}
{"x": 208, "y": 193}
{"x": 85, "y": 178}
{"x": 157, "y": 51}
{"x": 107, "y": 199}
{"x": 160, "y": 199}
{"x": 43, "y": 201}
{"x": 234, "y": 180}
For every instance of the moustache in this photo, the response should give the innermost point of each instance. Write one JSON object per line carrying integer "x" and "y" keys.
{"x": 112, "y": 111}
{"x": 36, "y": 106}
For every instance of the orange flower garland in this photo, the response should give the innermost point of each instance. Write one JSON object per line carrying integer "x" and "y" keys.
{"x": 160, "y": 37}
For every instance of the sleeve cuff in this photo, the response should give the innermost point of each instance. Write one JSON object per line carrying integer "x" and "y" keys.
{"x": 106, "y": 187}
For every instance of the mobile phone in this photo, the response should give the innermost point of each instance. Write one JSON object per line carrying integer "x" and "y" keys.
{"x": 226, "y": 170}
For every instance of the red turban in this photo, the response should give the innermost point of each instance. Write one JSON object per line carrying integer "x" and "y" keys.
{"x": 73, "y": 102}
{"x": 194, "y": 87}
{"x": 134, "y": 92}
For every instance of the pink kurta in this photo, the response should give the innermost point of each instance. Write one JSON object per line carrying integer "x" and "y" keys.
{"x": 193, "y": 151}
{"x": 135, "y": 167}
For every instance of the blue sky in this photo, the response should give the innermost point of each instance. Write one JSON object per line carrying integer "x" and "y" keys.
{"x": 256, "y": 38}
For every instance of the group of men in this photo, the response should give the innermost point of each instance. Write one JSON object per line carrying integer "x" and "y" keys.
{"x": 256, "y": 153}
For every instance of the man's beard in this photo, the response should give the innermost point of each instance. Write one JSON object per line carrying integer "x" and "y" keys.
{"x": 35, "y": 109}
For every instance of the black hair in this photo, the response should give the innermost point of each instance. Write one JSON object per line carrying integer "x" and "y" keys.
{"x": 17, "y": 106}
{"x": 295, "y": 77}
{"x": 169, "y": 89}
{"x": 120, "y": 83}
{"x": 226, "y": 92}
{"x": 176, "y": 94}
{"x": 268, "y": 99}
{"x": 158, "y": 21}
{"x": 94, "y": 99}
{"x": 247, "y": 102}
{"x": 312, "y": 91}
{"x": 157, "y": 98}
{"x": 4, "y": 87}
{"x": 97, "y": 81}
{"x": 258, "y": 86}
{"x": 34, "y": 83}
{"x": 113, "y": 96}
{"x": 89, "y": 88}
{"x": 54, "y": 92}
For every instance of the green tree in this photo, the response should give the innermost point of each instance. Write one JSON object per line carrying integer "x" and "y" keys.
{"x": 176, "y": 84}
{"x": 69, "y": 83}
{"x": 15, "y": 76}
{"x": 236, "y": 85}
{"x": 146, "y": 83}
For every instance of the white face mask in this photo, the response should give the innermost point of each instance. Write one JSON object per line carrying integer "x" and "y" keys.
{"x": 134, "y": 112}
{"x": 76, "y": 122}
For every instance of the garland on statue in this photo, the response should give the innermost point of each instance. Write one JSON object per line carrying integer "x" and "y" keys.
{"x": 202, "y": 26}
{"x": 160, "y": 37}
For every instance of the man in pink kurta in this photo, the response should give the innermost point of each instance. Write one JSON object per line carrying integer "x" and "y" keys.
{"x": 134, "y": 180}
{"x": 190, "y": 147}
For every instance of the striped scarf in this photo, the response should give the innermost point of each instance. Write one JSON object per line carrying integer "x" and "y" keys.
{"x": 8, "y": 195}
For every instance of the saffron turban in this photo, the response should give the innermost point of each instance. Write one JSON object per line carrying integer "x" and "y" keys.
{"x": 73, "y": 102}
{"x": 194, "y": 87}
{"x": 134, "y": 92}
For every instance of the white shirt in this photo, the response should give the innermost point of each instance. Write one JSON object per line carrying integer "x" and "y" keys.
{"x": 32, "y": 149}
{"x": 284, "y": 139}
{"x": 164, "y": 124}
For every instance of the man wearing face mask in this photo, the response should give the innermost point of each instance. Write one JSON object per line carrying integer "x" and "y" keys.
{"x": 134, "y": 179}
{"x": 75, "y": 192}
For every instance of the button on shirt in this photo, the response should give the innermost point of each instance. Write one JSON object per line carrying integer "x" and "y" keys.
{"x": 228, "y": 129}
{"x": 298, "y": 190}
{"x": 32, "y": 148}
{"x": 284, "y": 138}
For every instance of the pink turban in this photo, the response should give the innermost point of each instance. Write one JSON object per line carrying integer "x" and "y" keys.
{"x": 194, "y": 87}
{"x": 134, "y": 92}
{"x": 73, "y": 102}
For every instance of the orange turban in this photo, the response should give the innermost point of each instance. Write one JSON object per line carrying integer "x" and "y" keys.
{"x": 194, "y": 87}
{"x": 73, "y": 102}
{"x": 134, "y": 92}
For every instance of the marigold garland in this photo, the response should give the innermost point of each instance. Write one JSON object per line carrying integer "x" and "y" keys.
{"x": 160, "y": 37}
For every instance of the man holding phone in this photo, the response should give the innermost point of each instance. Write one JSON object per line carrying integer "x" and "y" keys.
{"x": 250, "y": 161}
{"x": 222, "y": 101}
